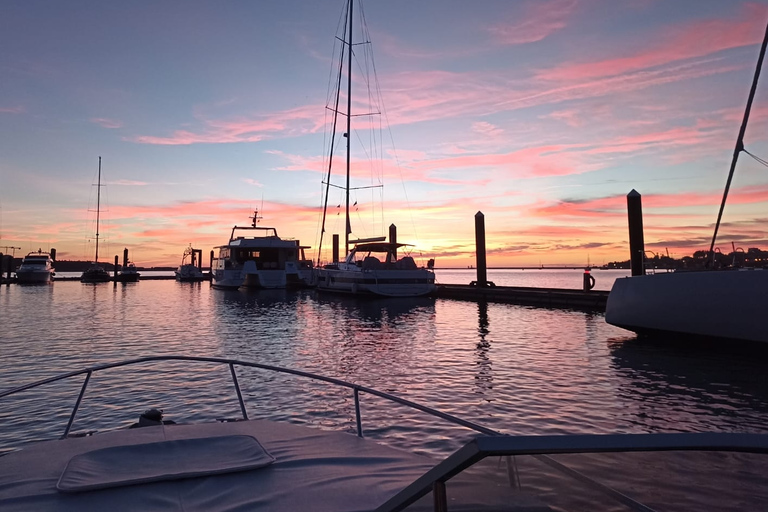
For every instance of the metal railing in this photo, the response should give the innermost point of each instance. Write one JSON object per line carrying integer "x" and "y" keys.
{"x": 493, "y": 443}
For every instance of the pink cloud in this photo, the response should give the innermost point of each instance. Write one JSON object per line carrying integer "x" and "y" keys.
{"x": 676, "y": 43}
{"x": 307, "y": 119}
{"x": 107, "y": 123}
{"x": 12, "y": 110}
{"x": 539, "y": 20}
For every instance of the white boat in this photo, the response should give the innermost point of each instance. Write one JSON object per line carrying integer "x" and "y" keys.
{"x": 262, "y": 260}
{"x": 189, "y": 271}
{"x": 128, "y": 273}
{"x": 36, "y": 267}
{"x": 260, "y": 464}
{"x": 96, "y": 273}
{"x": 712, "y": 303}
{"x": 371, "y": 267}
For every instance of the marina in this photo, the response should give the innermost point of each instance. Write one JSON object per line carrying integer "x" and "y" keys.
{"x": 515, "y": 369}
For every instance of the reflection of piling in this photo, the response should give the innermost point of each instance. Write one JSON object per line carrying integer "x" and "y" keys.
{"x": 336, "y": 248}
{"x": 393, "y": 238}
{"x": 636, "y": 242}
{"x": 482, "y": 274}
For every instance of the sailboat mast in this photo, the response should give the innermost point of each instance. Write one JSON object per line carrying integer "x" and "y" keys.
{"x": 349, "y": 125}
{"x": 739, "y": 143}
{"x": 98, "y": 210}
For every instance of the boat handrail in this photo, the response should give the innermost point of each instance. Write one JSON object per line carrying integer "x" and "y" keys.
{"x": 235, "y": 362}
{"x": 540, "y": 446}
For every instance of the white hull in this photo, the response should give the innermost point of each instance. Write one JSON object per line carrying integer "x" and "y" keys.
{"x": 717, "y": 304}
{"x": 34, "y": 276}
{"x": 383, "y": 283}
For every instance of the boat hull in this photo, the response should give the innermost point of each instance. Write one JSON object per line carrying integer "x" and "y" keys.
{"x": 386, "y": 283}
{"x": 34, "y": 277}
{"x": 723, "y": 304}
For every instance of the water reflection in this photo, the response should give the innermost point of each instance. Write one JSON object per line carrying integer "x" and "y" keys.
{"x": 682, "y": 386}
{"x": 484, "y": 375}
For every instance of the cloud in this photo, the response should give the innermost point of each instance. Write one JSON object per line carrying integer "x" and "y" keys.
{"x": 297, "y": 121}
{"x": 128, "y": 183}
{"x": 539, "y": 20}
{"x": 675, "y": 43}
{"x": 106, "y": 123}
{"x": 18, "y": 109}
{"x": 253, "y": 182}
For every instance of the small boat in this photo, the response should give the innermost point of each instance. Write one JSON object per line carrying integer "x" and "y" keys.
{"x": 242, "y": 463}
{"x": 371, "y": 267}
{"x": 720, "y": 304}
{"x": 96, "y": 273}
{"x": 262, "y": 260}
{"x": 36, "y": 267}
{"x": 189, "y": 271}
{"x": 128, "y": 273}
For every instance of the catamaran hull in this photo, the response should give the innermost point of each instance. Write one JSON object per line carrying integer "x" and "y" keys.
{"x": 383, "y": 284}
{"x": 726, "y": 304}
{"x": 41, "y": 277}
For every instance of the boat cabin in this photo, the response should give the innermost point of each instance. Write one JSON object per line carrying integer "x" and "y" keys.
{"x": 380, "y": 256}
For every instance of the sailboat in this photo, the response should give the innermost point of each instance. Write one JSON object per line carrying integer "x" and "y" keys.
{"x": 721, "y": 304}
{"x": 96, "y": 273}
{"x": 372, "y": 266}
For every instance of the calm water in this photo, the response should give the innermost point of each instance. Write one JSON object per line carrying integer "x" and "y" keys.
{"x": 516, "y": 369}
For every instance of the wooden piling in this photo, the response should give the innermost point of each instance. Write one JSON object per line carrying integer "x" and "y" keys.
{"x": 636, "y": 242}
{"x": 211, "y": 262}
{"x": 482, "y": 274}
{"x": 336, "y": 248}
{"x": 114, "y": 271}
{"x": 393, "y": 238}
{"x": 53, "y": 254}
{"x": 125, "y": 258}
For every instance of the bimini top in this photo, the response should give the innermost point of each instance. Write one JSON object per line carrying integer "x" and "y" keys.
{"x": 379, "y": 246}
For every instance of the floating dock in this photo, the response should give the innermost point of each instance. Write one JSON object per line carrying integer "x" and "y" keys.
{"x": 592, "y": 300}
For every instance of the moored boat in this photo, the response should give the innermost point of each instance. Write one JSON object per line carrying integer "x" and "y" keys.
{"x": 96, "y": 273}
{"x": 128, "y": 273}
{"x": 371, "y": 267}
{"x": 190, "y": 271}
{"x": 262, "y": 260}
{"x": 36, "y": 268}
{"x": 723, "y": 303}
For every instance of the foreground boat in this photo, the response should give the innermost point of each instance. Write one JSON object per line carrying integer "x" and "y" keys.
{"x": 249, "y": 464}
{"x": 263, "y": 260}
{"x": 36, "y": 268}
{"x": 710, "y": 303}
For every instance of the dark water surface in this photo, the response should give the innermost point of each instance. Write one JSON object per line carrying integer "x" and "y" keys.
{"x": 521, "y": 370}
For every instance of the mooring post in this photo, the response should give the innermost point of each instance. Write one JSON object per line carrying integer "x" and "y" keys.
{"x": 393, "y": 238}
{"x": 53, "y": 254}
{"x": 636, "y": 242}
{"x": 114, "y": 271}
{"x": 336, "y": 248}
{"x": 2, "y": 266}
{"x": 125, "y": 258}
{"x": 482, "y": 275}
{"x": 211, "y": 262}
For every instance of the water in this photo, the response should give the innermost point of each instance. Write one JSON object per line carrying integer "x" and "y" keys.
{"x": 521, "y": 370}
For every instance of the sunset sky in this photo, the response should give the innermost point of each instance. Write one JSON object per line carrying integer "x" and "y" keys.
{"x": 541, "y": 114}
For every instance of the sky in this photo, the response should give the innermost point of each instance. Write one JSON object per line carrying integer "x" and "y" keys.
{"x": 542, "y": 115}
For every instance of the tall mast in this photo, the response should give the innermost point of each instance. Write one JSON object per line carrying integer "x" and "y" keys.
{"x": 98, "y": 204}
{"x": 349, "y": 125}
{"x": 739, "y": 143}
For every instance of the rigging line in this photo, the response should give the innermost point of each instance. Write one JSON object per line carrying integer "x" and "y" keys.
{"x": 333, "y": 137}
{"x": 739, "y": 142}
{"x": 757, "y": 158}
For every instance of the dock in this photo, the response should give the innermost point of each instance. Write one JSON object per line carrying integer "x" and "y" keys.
{"x": 592, "y": 300}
